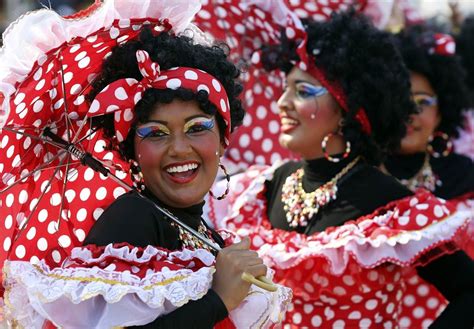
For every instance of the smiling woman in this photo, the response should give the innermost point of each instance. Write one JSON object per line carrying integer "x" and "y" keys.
{"x": 339, "y": 231}
{"x": 167, "y": 103}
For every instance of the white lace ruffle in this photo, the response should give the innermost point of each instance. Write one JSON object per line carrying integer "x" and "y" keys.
{"x": 369, "y": 241}
{"x": 403, "y": 249}
{"x": 30, "y": 37}
{"x": 97, "y": 298}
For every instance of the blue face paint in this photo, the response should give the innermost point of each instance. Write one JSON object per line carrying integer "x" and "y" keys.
{"x": 197, "y": 125}
{"x": 307, "y": 90}
{"x": 152, "y": 129}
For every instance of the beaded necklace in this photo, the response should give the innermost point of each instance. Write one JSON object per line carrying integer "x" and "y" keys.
{"x": 424, "y": 178}
{"x": 190, "y": 241}
{"x": 301, "y": 206}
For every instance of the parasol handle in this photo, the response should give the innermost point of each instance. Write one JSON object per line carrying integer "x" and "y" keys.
{"x": 85, "y": 157}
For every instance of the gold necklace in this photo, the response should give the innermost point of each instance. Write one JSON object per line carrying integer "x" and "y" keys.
{"x": 300, "y": 206}
{"x": 424, "y": 178}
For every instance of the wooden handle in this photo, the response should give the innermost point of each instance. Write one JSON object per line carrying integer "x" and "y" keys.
{"x": 261, "y": 282}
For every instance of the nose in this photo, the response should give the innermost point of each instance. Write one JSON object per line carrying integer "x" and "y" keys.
{"x": 180, "y": 146}
{"x": 285, "y": 103}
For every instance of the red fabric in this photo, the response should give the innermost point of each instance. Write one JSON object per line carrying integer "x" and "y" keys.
{"x": 121, "y": 96}
{"x": 245, "y": 30}
{"x": 370, "y": 291}
{"x": 43, "y": 100}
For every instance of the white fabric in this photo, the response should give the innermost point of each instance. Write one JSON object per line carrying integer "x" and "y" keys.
{"x": 29, "y": 38}
{"x": 97, "y": 298}
{"x": 106, "y": 298}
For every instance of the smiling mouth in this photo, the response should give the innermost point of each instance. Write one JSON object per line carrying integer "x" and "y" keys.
{"x": 288, "y": 124}
{"x": 182, "y": 173}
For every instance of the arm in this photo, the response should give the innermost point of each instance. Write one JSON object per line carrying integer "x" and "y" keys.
{"x": 135, "y": 221}
{"x": 453, "y": 276}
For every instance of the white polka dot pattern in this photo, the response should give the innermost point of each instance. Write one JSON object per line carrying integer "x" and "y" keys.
{"x": 121, "y": 96}
{"x": 40, "y": 100}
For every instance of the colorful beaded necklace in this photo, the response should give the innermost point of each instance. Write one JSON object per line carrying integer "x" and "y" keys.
{"x": 301, "y": 206}
{"x": 424, "y": 178}
{"x": 190, "y": 241}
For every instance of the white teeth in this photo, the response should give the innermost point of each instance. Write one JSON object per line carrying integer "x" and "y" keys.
{"x": 288, "y": 121}
{"x": 184, "y": 168}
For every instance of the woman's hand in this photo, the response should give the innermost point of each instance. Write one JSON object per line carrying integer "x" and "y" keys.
{"x": 231, "y": 262}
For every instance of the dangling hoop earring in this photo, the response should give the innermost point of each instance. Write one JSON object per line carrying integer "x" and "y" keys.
{"x": 227, "y": 189}
{"x": 324, "y": 144}
{"x": 448, "y": 145}
{"x": 136, "y": 175}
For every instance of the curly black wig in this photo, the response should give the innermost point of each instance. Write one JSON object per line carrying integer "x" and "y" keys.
{"x": 364, "y": 61}
{"x": 465, "y": 49}
{"x": 445, "y": 74}
{"x": 168, "y": 51}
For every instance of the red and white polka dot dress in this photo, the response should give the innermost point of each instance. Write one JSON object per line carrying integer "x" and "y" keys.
{"x": 354, "y": 275}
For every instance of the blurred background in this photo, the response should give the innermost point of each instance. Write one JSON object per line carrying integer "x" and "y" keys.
{"x": 444, "y": 12}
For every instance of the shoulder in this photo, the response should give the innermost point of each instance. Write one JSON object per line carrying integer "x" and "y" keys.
{"x": 452, "y": 160}
{"x": 456, "y": 175}
{"x": 370, "y": 188}
{"x": 131, "y": 218}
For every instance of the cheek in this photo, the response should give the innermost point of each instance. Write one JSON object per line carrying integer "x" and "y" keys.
{"x": 428, "y": 121}
{"x": 307, "y": 108}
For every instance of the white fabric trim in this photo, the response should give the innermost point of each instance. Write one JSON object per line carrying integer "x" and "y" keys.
{"x": 97, "y": 298}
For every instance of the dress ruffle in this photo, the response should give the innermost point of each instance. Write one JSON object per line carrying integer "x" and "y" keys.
{"x": 167, "y": 281}
{"x": 121, "y": 285}
{"x": 348, "y": 275}
{"x": 406, "y": 232}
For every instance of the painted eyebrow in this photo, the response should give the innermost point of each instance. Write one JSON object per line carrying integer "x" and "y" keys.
{"x": 185, "y": 120}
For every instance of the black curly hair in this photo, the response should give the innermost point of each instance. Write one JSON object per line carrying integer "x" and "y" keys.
{"x": 445, "y": 74}
{"x": 169, "y": 51}
{"x": 364, "y": 61}
{"x": 465, "y": 49}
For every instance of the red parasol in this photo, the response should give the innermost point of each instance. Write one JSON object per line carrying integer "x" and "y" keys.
{"x": 49, "y": 198}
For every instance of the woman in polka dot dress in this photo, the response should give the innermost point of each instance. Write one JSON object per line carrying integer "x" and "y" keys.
{"x": 174, "y": 103}
{"x": 426, "y": 159}
{"x": 337, "y": 230}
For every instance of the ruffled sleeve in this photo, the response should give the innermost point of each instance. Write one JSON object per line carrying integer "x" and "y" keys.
{"x": 121, "y": 285}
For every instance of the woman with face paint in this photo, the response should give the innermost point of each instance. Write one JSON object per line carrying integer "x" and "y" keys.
{"x": 337, "y": 230}
{"x": 175, "y": 102}
{"x": 426, "y": 158}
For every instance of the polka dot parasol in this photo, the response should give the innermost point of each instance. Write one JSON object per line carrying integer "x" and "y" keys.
{"x": 49, "y": 198}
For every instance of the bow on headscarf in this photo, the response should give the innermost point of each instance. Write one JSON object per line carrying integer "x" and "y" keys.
{"x": 121, "y": 96}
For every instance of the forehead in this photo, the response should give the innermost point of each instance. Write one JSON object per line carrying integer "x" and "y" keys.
{"x": 176, "y": 111}
{"x": 297, "y": 75}
{"x": 420, "y": 84}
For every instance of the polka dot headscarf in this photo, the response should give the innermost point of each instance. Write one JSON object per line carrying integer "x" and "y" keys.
{"x": 121, "y": 96}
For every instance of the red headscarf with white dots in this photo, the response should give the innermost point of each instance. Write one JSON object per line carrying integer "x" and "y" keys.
{"x": 121, "y": 96}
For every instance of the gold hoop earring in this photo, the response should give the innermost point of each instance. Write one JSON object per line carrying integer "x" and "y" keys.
{"x": 448, "y": 145}
{"x": 324, "y": 144}
{"x": 136, "y": 175}
{"x": 227, "y": 189}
